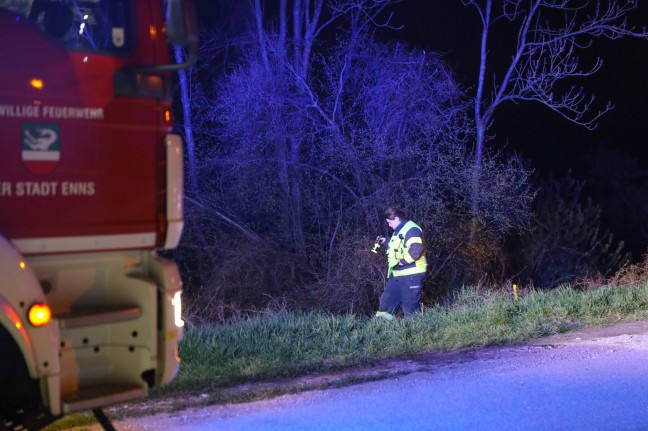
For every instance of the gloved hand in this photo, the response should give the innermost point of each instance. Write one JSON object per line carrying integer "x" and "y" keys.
{"x": 399, "y": 264}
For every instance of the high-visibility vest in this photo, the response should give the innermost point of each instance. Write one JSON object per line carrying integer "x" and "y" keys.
{"x": 398, "y": 249}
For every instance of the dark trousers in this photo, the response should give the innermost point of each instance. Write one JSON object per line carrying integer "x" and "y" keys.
{"x": 405, "y": 291}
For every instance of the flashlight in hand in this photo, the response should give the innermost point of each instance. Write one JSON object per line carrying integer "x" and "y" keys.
{"x": 377, "y": 244}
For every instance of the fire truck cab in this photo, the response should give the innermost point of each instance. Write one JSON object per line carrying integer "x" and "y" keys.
{"x": 91, "y": 185}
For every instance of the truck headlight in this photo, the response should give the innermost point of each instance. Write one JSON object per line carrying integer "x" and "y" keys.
{"x": 177, "y": 309}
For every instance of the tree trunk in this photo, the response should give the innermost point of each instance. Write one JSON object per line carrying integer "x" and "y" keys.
{"x": 188, "y": 125}
{"x": 480, "y": 122}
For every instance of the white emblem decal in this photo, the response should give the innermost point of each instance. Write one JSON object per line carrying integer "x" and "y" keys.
{"x": 42, "y": 141}
{"x": 41, "y": 147}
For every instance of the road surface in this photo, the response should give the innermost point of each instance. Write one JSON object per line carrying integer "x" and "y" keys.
{"x": 593, "y": 380}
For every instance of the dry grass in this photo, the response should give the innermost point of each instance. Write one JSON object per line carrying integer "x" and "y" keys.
{"x": 630, "y": 274}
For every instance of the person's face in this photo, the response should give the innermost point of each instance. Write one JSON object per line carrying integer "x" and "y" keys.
{"x": 393, "y": 223}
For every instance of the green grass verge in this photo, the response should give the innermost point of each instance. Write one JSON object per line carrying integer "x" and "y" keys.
{"x": 80, "y": 421}
{"x": 291, "y": 344}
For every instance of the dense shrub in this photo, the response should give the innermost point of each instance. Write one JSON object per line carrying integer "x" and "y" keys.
{"x": 567, "y": 241}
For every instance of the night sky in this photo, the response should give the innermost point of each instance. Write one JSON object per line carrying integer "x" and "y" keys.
{"x": 551, "y": 141}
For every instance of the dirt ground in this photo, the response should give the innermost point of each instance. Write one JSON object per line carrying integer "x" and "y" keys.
{"x": 632, "y": 335}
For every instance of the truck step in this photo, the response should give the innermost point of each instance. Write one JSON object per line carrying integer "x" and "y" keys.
{"x": 97, "y": 316}
{"x": 100, "y": 396}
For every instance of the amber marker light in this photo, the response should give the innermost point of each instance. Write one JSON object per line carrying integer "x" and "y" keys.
{"x": 167, "y": 117}
{"x": 39, "y": 315}
{"x": 37, "y": 83}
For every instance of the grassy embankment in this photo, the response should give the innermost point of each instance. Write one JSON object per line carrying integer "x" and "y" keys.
{"x": 290, "y": 344}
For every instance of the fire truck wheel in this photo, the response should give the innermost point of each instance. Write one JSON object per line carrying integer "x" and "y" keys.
{"x": 19, "y": 399}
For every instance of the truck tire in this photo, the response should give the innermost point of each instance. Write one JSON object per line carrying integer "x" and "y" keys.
{"x": 20, "y": 401}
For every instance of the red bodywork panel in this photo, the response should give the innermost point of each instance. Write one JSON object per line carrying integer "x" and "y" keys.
{"x": 106, "y": 173}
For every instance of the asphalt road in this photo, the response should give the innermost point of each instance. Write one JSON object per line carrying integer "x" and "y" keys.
{"x": 593, "y": 380}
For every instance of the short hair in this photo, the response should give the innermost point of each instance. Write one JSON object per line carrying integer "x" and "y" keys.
{"x": 392, "y": 212}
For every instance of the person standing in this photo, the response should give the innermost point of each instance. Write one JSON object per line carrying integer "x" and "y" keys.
{"x": 407, "y": 265}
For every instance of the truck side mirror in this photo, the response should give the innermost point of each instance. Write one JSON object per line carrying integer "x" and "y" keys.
{"x": 181, "y": 26}
{"x": 181, "y": 29}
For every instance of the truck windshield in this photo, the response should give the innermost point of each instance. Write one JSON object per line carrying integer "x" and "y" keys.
{"x": 88, "y": 25}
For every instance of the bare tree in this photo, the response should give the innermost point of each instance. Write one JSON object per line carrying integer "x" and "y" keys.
{"x": 272, "y": 127}
{"x": 549, "y": 38}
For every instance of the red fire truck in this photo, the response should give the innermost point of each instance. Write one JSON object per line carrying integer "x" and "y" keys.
{"x": 90, "y": 187}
